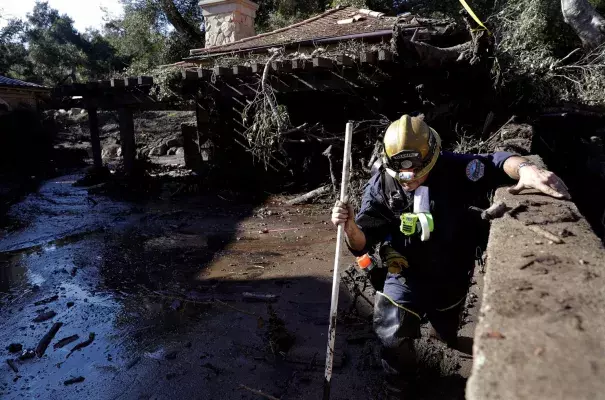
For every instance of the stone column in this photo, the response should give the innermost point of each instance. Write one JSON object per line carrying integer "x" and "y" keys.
{"x": 227, "y": 21}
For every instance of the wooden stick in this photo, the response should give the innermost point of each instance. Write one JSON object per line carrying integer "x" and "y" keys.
{"x": 346, "y": 159}
{"x": 258, "y": 392}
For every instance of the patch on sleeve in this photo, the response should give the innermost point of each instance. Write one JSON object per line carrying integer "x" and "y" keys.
{"x": 475, "y": 170}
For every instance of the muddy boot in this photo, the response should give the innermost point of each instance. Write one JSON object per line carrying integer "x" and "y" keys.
{"x": 399, "y": 367}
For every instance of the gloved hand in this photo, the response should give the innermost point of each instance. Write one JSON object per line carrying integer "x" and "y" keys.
{"x": 343, "y": 213}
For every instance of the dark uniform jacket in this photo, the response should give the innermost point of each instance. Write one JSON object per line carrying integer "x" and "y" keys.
{"x": 456, "y": 182}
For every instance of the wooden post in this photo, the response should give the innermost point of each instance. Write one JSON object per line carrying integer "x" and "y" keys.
{"x": 193, "y": 158}
{"x": 95, "y": 142}
{"x": 127, "y": 139}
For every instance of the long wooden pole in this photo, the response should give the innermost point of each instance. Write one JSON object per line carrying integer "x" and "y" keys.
{"x": 346, "y": 159}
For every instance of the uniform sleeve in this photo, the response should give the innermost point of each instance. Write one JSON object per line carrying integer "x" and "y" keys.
{"x": 372, "y": 219}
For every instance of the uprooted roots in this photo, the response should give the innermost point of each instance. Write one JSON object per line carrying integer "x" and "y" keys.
{"x": 266, "y": 120}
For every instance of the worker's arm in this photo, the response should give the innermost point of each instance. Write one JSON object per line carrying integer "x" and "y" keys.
{"x": 531, "y": 176}
{"x": 343, "y": 213}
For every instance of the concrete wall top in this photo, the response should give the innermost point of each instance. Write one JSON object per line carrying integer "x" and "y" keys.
{"x": 541, "y": 332}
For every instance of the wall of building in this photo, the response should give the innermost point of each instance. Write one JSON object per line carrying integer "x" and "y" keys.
{"x": 18, "y": 97}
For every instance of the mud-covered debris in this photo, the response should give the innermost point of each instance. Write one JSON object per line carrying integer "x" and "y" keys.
{"x": 73, "y": 271}
{"x": 493, "y": 335}
{"x": 45, "y": 341}
{"x": 176, "y": 305}
{"x": 81, "y": 345}
{"x": 44, "y": 316}
{"x": 280, "y": 339}
{"x": 74, "y": 380}
{"x": 46, "y": 301}
{"x": 14, "y": 347}
{"x": 171, "y": 355}
{"x": 70, "y": 304}
{"x": 65, "y": 341}
{"x": 27, "y": 354}
{"x": 212, "y": 368}
{"x": 260, "y": 297}
{"x": 171, "y": 375}
{"x": 133, "y": 362}
{"x": 12, "y": 365}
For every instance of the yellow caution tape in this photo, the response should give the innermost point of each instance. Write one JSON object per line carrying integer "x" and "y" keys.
{"x": 472, "y": 14}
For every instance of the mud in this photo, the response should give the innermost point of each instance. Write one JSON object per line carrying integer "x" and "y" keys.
{"x": 159, "y": 287}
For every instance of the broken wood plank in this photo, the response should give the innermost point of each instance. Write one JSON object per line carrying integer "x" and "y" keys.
{"x": 44, "y": 316}
{"x": 145, "y": 80}
{"x": 308, "y": 196}
{"x": 223, "y": 71}
{"x": 12, "y": 365}
{"x": 302, "y": 65}
{"x": 322, "y": 62}
{"x": 385, "y": 55}
{"x": 260, "y": 297}
{"x": 74, "y": 380}
{"x": 117, "y": 83}
{"x": 81, "y": 345}
{"x": 345, "y": 61}
{"x": 45, "y": 341}
{"x": 368, "y": 57}
{"x": 65, "y": 341}
{"x": 189, "y": 75}
{"x": 242, "y": 70}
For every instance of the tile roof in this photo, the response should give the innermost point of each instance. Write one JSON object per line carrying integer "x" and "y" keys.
{"x": 9, "y": 82}
{"x": 321, "y": 26}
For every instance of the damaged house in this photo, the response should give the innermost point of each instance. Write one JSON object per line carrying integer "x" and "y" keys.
{"x": 284, "y": 96}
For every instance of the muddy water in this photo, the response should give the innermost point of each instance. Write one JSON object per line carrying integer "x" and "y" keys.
{"x": 161, "y": 285}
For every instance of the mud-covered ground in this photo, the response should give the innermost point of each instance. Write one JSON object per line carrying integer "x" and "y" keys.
{"x": 157, "y": 294}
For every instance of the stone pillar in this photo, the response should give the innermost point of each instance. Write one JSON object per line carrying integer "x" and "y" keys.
{"x": 228, "y": 20}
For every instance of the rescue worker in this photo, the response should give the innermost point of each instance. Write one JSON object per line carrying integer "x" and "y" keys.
{"x": 415, "y": 216}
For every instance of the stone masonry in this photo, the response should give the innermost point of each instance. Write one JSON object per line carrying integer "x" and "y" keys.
{"x": 227, "y": 21}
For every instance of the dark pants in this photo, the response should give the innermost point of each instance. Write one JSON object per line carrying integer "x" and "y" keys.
{"x": 398, "y": 311}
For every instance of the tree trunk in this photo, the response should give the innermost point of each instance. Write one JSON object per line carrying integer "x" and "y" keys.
{"x": 180, "y": 24}
{"x": 585, "y": 21}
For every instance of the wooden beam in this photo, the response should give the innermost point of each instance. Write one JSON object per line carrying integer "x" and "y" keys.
{"x": 92, "y": 85}
{"x": 223, "y": 71}
{"x": 257, "y": 68}
{"x": 302, "y": 65}
{"x": 323, "y": 63}
{"x": 189, "y": 75}
{"x": 117, "y": 83}
{"x": 242, "y": 70}
{"x": 145, "y": 80}
{"x": 385, "y": 55}
{"x": 345, "y": 61}
{"x": 131, "y": 82}
{"x": 127, "y": 139}
{"x": 281, "y": 66}
{"x": 93, "y": 124}
{"x": 203, "y": 73}
{"x": 368, "y": 57}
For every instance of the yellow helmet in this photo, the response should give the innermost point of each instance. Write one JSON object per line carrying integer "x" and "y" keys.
{"x": 409, "y": 143}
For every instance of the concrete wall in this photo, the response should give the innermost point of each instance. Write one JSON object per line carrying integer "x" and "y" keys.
{"x": 541, "y": 332}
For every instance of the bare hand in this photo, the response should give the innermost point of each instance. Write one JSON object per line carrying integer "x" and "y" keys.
{"x": 532, "y": 177}
{"x": 342, "y": 213}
